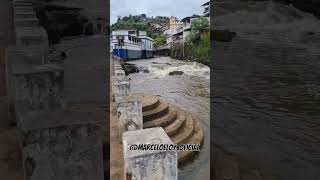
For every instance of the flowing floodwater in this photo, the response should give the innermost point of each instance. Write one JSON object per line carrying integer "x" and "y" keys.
{"x": 266, "y": 95}
{"x": 190, "y": 92}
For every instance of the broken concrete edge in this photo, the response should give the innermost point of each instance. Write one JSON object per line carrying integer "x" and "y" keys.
{"x": 36, "y": 69}
{"x": 60, "y": 148}
{"x": 25, "y": 56}
{"x": 32, "y": 33}
{"x": 31, "y": 120}
{"x": 164, "y": 163}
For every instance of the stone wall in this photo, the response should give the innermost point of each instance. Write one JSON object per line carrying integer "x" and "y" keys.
{"x": 181, "y": 51}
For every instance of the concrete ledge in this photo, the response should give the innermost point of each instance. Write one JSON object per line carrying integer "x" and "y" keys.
{"x": 121, "y": 89}
{"x": 64, "y": 153}
{"x": 23, "y": 9}
{"x": 31, "y": 36}
{"x": 129, "y": 110}
{"x": 22, "y": 15}
{"x": 38, "y": 87}
{"x": 25, "y": 56}
{"x": 22, "y": 4}
{"x": 149, "y": 164}
{"x": 119, "y": 73}
{"x": 26, "y": 22}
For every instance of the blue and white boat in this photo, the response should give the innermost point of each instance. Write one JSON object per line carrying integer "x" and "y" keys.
{"x": 131, "y": 44}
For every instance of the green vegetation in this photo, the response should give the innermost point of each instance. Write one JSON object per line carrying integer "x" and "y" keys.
{"x": 196, "y": 27}
{"x": 130, "y": 23}
{"x": 200, "y": 41}
{"x": 200, "y": 50}
{"x": 142, "y": 24}
{"x": 159, "y": 39}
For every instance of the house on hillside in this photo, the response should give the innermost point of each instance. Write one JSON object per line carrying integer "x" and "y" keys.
{"x": 187, "y": 22}
{"x": 173, "y": 33}
{"x": 206, "y": 9}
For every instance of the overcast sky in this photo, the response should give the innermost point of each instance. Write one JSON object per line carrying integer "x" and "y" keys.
{"x": 178, "y": 8}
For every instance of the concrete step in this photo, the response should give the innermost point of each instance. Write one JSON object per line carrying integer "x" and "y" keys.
{"x": 185, "y": 132}
{"x": 26, "y": 15}
{"x": 197, "y": 138}
{"x": 149, "y": 102}
{"x": 174, "y": 127}
{"x": 159, "y": 111}
{"x": 22, "y": 4}
{"x": 26, "y": 22}
{"x": 163, "y": 120}
{"x": 31, "y": 36}
{"x": 22, "y": 9}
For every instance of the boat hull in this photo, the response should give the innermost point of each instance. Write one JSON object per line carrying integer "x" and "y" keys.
{"x": 128, "y": 54}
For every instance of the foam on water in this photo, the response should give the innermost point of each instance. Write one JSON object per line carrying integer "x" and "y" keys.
{"x": 189, "y": 68}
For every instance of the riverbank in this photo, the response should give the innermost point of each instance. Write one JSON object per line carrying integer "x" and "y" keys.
{"x": 193, "y": 52}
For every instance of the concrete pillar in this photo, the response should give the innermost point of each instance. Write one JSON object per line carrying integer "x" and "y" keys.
{"x": 22, "y": 14}
{"x": 129, "y": 112}
{"x": 149, "y": 164}
{"x": 56, "y": 142}
{"x": 119, "y": 73}
{"x": 62, "y": 152}
{"x": 121, "y": 89}
{"x": 33, "y": 36}
{"x": 38, "y": 88}
{"x": 19, "y": 57}
{"x": 117, "y": 68}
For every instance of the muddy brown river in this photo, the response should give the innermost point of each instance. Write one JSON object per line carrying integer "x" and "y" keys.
{"x": 190, "y": 92}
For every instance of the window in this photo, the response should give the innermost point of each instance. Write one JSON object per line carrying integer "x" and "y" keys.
{"x": 131, "y": 32}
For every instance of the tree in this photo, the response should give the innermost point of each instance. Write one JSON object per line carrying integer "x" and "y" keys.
{"x": 159, "y": 40}
{"x": 196, "y": 26}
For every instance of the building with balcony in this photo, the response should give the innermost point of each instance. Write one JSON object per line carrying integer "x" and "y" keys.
{"x": 206, "y": 9}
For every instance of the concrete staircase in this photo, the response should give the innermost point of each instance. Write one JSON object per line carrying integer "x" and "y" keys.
{"x": 180, "y": 126}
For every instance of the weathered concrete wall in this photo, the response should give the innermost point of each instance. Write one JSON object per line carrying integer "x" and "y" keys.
{"x": 63, "y": 153}
{"x": 129, "y": 110}
{"x": 181, "y": 51}
{"x": 149, "y": 164}
{"x": 39, "y": 90}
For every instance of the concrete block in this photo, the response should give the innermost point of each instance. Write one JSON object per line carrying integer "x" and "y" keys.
{"x": 119, "y": 73}
{"x": 121, "y": 89}
{"x": 70, "y": 152}
{"x": 149, "y": 164}
{"x": 38, "y": 88}
{"x": 31, "y": 36}
{"x": 22, "y": 4}
{"x": 117, "y": 68}
{"x": 26, "y": 15}
{"x": 26, "y": 22}
{"x": 129, "y": 112}
{"x": 22, "y": 9}
{"x": 25, "y": 56}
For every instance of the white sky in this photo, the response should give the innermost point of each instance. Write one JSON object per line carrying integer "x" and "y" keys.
{"x": 178, "y": 8}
